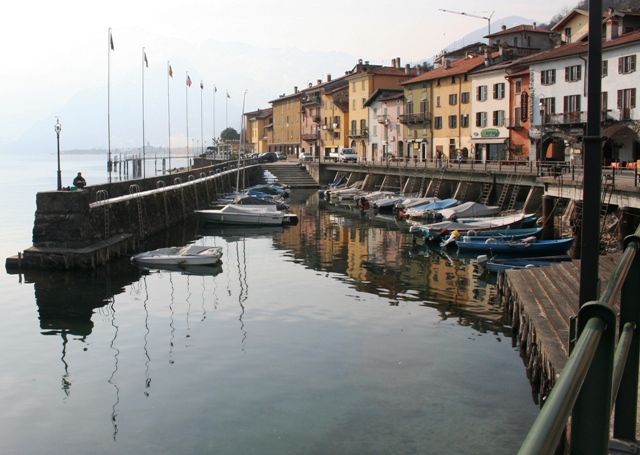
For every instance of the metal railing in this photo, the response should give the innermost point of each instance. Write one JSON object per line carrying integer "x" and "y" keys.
{"x": 598, "y": 374}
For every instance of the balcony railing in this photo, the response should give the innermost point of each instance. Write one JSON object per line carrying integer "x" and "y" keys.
{"x": 566, "y": 118}
{"x": 420, "y": 117}
{"x": 309, "y": 137}
{"x": 513, "y": 123}
{"x": 383, "y": 118}
{"x": 364, "y": 132}
{"x": 312, "y": 100}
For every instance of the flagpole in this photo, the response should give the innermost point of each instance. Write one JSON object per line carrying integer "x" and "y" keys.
{"x": 144, "y": 162}
{"x": 186, "y": 97}
{"x": 109, "y": 49}
{"x": 201, "y": 130}
{"x": 169, "y": 74}
{"x": 226, "y": 108}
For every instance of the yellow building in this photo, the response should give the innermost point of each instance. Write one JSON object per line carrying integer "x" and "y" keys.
{"x": 286, "y": 126}
{"x": 364, "y": 80}
{"x": 451, "y": 98}
{"x": 258, "y": 129}
{"x": 335, "y": 117}
{"x": 417, "y": 118}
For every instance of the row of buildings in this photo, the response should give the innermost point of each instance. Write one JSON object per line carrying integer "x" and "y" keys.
{"x": 521, "y": 96}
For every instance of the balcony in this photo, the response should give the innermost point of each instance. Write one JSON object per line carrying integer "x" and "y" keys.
{"x": 567, "y": 118}
{"x": 311, "y": 101}
{"x": 315, "y": 118}
{"x": 309, "y": 137}
{"x": 383, "y": 119}
{"x": 364, "y": 132}
{"x": 420, "y": 117}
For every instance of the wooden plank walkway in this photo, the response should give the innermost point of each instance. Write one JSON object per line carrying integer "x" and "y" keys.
{"x": 539, "y": 303}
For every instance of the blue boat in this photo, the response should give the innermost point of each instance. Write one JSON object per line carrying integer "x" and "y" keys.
{"x": 518, "y": 247}
{"x": 495, "y": 264}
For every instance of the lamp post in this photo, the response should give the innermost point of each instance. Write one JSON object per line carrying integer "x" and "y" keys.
{"x": 542, "y": 114}
{"x": 58, "y": 128}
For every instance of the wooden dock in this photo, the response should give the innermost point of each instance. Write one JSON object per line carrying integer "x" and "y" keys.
{"x": 539, "y": 303}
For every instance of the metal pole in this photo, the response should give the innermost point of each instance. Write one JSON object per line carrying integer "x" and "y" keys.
{"x": 58, "y": 128}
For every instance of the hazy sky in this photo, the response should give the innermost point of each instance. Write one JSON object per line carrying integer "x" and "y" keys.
{"x": 53, "y": 49}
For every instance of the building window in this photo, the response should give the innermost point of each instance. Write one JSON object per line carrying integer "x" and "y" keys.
{"x": 453, "y": 121}
{"x": 627, "y": 64}
{"x": 498, "y": 118}
{"x": 452, "y": 147}
{"x": 481, "y": 93}
{"x": 548, "y": 77}
{"x": 464, "y": 98}
{"x": 438, "y": 101}
{"x": 453, "y": 99}
{"x": 353, "y": 105}
{"x": 465, "y": 78}
{"x": 353, "y": 87}
{"x": 481, "y": 119}
{"x": 604, "y": 105}
{"x": 572, "y": 103}
{"x": 363, "y": 85}
{"x": 498, "y": 91}
{"x": 572, "y": 73}
{"x": 605, "y": 68}
{"x": 363, "y": 126}
{"x": 626, "y": 102}
{"x": 567, "y": 34}
{"x": 437, "y": 82}
{"x": 518, "y": 86}
{"x": 515, "y": 41}
{"x": 453, "y": 79}
{"x": 438, "y": 123}
{"x": 464, "y": 121}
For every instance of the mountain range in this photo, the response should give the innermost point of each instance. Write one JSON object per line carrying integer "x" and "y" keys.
{"x": 265, "y": 74}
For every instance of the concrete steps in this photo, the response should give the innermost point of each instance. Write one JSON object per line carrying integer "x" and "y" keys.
{"x": 291, "y": 174}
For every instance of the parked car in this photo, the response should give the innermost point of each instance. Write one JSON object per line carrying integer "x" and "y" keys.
{"x": 304, "y": 156}
{"x": 281, "y": 155}
{"x": 267, "y": 157}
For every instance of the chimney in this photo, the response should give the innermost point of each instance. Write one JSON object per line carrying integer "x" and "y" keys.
{"x": 407, "y": 69}
{"x": 295, "y": 89}
{"x": 612, "y": 28}
{"x": 393, "y": 62}
{"x": 319, "y": 81}
{"x": 534, "y": 25}
{"x": 487, "y": 57}
{"x": 398, "y": 62}
{"x": 504, "y": 27}
{"x": 328, "y": 77}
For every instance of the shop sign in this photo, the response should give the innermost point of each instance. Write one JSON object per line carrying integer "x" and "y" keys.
{"x": 490, "y": 132}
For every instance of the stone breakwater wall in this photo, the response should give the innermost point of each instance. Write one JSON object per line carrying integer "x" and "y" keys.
{"x": 86, "y": 229}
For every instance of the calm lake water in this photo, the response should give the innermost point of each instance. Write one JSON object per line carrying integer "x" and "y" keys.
{"x": 335, "y": 336}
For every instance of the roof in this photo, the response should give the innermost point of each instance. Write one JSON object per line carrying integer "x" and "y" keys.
{"x": 520, "y": 28}
{"x": 260, "y": 113}
{"x": 386, "y": 71}
{"x": 384, "y": 95}
{"x": 460, "y": 66}
{"x": 580, "y": 47}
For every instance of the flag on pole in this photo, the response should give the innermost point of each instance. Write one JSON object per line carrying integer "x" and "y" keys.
{"x": 228, "y": 96}
{"x": 215, "y": 89}
{"x": 146, "y": 62}
{"x": 188, "y": 81}
{"x": 201, "y": 86}
{"x": 170, "y": 71}
{"x": 111, "y": 41}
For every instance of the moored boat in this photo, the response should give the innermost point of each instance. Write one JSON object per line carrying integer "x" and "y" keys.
{"x": 247, "y": 215}
{"x": 532, "y": 247}
{"x": 189, "y": 255}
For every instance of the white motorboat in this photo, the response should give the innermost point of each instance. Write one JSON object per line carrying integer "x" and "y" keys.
{"x": 469, "y": 210}
{"x": 179, "y": 255}
{"x": 247, "y": 215}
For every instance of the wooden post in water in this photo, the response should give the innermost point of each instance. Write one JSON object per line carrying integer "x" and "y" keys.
{"x": 548, "y": 229}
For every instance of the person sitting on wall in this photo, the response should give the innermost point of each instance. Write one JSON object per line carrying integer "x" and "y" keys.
{"x": 79, "y": 181}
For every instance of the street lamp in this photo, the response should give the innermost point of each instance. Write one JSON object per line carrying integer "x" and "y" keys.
{"x": 542, "y": 114}
{"x": 58, "y": 128}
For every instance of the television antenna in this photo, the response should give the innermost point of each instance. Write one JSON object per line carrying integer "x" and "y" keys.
{"x": 487, "y": 18}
